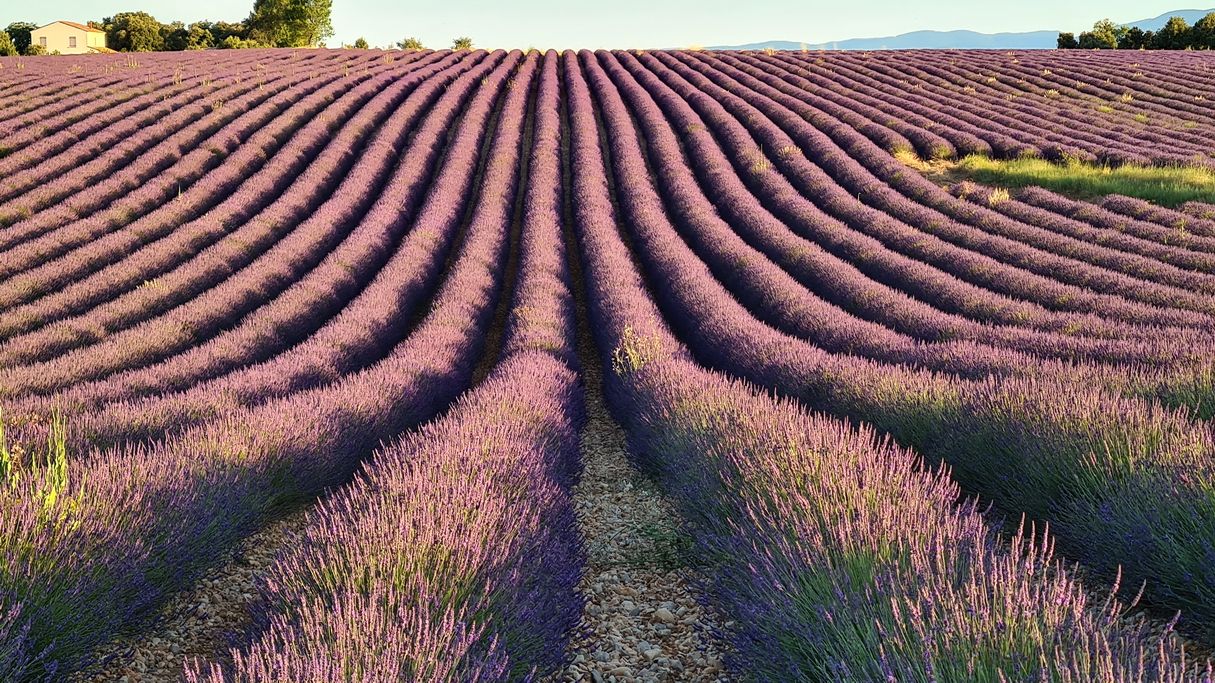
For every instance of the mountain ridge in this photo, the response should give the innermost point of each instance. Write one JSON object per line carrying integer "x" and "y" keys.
{"x": 957, "y": 39}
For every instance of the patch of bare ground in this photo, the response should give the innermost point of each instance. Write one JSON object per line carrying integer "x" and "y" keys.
{"x": 642, "y": 619}
{"x": 200, "y": 622}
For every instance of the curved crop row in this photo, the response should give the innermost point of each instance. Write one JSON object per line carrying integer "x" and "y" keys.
{"x": 263, "y": 212}
{"x": 711, "y": 442}
{"x": 488, "y": 482}
{"x": 1113, "y": 476}
{"x": 334, "y": 223}
{"x": 125, "y": 199}
{"x": 886, "y": 266}
{"x": 251, "y": 201}
{"x": 784, "y": 303}
{"x": 358, "y": 334}
{"x": 1058, "y": 102}
{"x": 365, "y": 597}
{"x": 199, "y": 491}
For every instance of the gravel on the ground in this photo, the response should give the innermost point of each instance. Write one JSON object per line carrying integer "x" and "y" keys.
{"x": 198, "y": 622}
{"x": 642, "y": 619}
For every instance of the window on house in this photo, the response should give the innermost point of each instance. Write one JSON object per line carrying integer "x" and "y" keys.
{"x": 71, "y": 41}
{"x": 42, "y": 41}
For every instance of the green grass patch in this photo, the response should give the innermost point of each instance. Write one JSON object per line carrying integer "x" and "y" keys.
{"x": 1165, "y": 185}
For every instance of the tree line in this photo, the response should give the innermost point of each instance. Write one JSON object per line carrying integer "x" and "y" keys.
{"x": 271, "y": 23}
{"x": 1176, "y": 34}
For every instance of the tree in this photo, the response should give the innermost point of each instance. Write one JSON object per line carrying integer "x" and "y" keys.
{"x": 462, "y": 43}
{"x": 238, "y": 43}
{"x": 200, "y": 37}
{"x": 291, "y": 23}
{"x": 1135, "y": 38}
{"x": 20, "y": 31}
{"x": 176, "y": 36}
{"x": 34, "y": 50}
{"x": 7, "y": 47}
{"x": 222, "y": 30}
{"x": 1067, "y": 41}
{"x": 133, "y": 32}
{"x": 1104, "y": 36}
{"x": 1202, "y": 36}
{"x": 411, "y": 44}
{"x": 1174, "y": 36}
{"x": 361, "y": 43}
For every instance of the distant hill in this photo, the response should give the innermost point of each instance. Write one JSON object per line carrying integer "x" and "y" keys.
{"x": 960, "y": 40}
{"x": 919, "y": 40}
{"x": 1191, "y": 17}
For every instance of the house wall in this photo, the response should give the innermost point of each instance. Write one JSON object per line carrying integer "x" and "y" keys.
{"x": 57, "y": 39}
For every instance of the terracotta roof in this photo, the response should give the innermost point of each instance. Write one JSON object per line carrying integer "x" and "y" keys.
{"x": 82, "y": 27}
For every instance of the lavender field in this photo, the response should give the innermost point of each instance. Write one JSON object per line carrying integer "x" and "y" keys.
{"x": 352, "y": 365}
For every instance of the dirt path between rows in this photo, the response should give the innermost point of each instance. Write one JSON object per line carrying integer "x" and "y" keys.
{"x": 202, "y": 621}
{"x": 642, "y": 615}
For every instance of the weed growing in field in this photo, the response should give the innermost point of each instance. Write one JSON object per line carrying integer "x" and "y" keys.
{"x": 1165, "y": 185}
{"x": 48, "y": 475}
{"x": 757, "y": 161}
{"x": 998, "y": 196}
{"x": 635, "y": 352}
{"x": 8, "y": 460}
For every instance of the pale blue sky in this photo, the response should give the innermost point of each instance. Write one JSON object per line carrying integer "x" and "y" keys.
{"x": 633, "y": 23}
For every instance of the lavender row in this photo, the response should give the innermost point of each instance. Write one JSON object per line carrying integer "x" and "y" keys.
{"x": 783, "y": 301}
{"x": 806, "y": 75}
{"x": 38, "y": 98}
{"x": 1180, "y": 100}
{"x": 913, "y": 205}
{"x": 1071, "y": 230}
{"x": 365, "y": 597}
{"x": 1117, "y": 228}
{"x": 363, "y": 331}
{"x": 63, "y": 119}
{"x": 1048, "y": 100}
{"x": 886, "y": 185}
{"x": 1114, "y": 476}
{"x": 1051, "y": 125}
{"x": 116, "y": 145}
{"x": 542, "y": 313}
{"x": 123, "y": 189}
{"x": 330, "y": 234}
{"x": 1000, "y": 141}
{"x": 797, "y": 518}
{"x": 1054, "y": 99}
{"x": 145, "y": 520}
{"x": 508, "y": 520}
{"x": 741, "y": 209}
{"x": 255, "y": 212}
{"x": 135, "y": 213}
{"x": 1143, "y": 210}
{"x": 847, "y": 91}
{"x": 1203, "y": 210}
{"x": 124, "y": 199}
{"x": 1055, "y": 139}
{"x": 841, "y": 558}
{"x": 878, "y": 262}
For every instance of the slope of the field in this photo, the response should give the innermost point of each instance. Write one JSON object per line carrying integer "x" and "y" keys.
{"x": 233, "y": 282}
